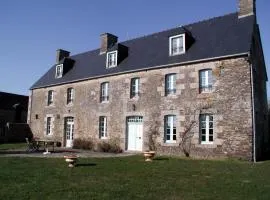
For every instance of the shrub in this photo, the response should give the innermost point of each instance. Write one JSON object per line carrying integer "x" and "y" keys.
{"x": 58, "y": 144}
{"x": 79, "y": 143}
{"x": 111, "y": 146}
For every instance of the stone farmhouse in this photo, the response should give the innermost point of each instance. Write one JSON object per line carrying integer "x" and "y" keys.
{"x": 209, "y": 73}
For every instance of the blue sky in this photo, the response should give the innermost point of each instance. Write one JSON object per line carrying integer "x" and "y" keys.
{"x": 32, "y": 30}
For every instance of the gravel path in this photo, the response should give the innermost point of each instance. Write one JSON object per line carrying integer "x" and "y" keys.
{"x": 61, "y": 152}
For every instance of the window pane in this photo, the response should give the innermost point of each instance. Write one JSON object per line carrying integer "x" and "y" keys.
{"x": 203, "y": 125}
{"x": 202, "y": 117}
{"x": 170, "y": 83}
{"x": 210, "y": 138}
{"x": 210, "y": 124}
{"x": 210, "y": 131}
{"x": 203, "y": 138}
{"x": 210, "y": 77}
{"x": 177, "y": 45}
{"x": 203, "y": 132}
{"x": 205, "y": 80}
{"x": 174, "y": 134}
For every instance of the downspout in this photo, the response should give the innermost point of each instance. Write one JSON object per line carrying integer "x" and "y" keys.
{"x": 30, "y": 108}
{"x": 253, "y": 114}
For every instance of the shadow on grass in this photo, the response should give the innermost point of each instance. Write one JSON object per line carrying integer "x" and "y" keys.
{"x": 85, "y": 164}
{"x": 161, "y": 158}
{"x": 41, "y": 150}
{"x": 5, "y": 152}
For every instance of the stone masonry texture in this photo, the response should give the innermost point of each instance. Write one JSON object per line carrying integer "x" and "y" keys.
{"x": 229, "y": 103}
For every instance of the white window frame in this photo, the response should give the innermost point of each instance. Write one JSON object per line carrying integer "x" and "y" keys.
{"x": 171, "y": 120}
{"x": 207, "y": 128}
{"x": 134, "y": 87}
{"x": 104, "y": 90}
{"x": 170, "y": 83}
{"x": 208, "y": 80}
{"x": 171, "y": 53}
{"x": 49, "y": 126}
{"x": 114, "y": 64}
{"x": 70, "y": 96}
{"x": 59, "y": 74}
{"x": 50, "y": 97}
{"x": 103, "y": 122}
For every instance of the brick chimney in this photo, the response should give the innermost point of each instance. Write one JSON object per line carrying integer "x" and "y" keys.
{"x": 246, "y": 8}
{"x": 60, "y": 54}
{"x": 107, "y": 41}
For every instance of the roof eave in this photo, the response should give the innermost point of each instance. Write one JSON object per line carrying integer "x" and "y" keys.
{"x": 149, "y": 68}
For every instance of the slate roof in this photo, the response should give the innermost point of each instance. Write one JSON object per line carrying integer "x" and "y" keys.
{"x": 216, "y": 37}
{"x": 8, "y": 100}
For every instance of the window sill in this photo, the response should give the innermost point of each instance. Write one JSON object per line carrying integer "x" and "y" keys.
{"x": 50, "y": 106}
{"x": 174, "y": 144}
{"x": 69, "y": 104}
{"x": 177, "y": 54}
{"x": 206, "y": 145}
{"x": 109, "y": 67}
{"x": 204, "y": 94}
{"x": 105, "y": 102}
{"x": 172, "y": 95}
{"x": 135, "y": 98}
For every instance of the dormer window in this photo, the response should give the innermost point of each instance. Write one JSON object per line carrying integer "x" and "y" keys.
{"x": 177, "y": 45}
{"x": 59, "y": 71}
{"x": 111, "y": 59}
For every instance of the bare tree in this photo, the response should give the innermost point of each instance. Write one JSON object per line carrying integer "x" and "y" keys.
{"x": 188, "y": 133}
{"x": 153, "y": 132}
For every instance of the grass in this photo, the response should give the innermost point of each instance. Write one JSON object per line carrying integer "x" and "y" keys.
{"x": 12, "y": 146}
{"x": 132, "y": 178}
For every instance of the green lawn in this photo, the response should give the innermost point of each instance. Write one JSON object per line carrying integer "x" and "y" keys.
{"x": 132, "y": 178}
{"x": 12, "y": 146}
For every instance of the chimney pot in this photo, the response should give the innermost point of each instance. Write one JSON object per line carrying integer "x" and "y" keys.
{"x": 107, "y": 41}
{"x": 60, "y": 54}
{"x": 247, "y": 8}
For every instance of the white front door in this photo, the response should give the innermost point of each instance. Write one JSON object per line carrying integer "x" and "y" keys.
{"x": 69, "y": 131}
{"x": 135, "y": 133}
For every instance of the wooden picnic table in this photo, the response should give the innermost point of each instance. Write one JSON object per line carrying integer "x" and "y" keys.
{"x": 46, "y": 143}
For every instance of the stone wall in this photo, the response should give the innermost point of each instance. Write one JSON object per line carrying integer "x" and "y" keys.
{"x": 230, "y": 104}
{"x": 260, "y": 94}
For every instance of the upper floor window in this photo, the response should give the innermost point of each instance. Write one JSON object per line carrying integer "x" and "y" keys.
{"x": 111, "y": 59}
{"x": 205, "y": 80}
{"x": 49, "y": 126}
{"x": 103, "y": 127}
{"x": 59, "y": 71}
{"x": 104, "y": 92}
{"x": 50, "y": 98}
{"x": 177, "y": 44}
{"x": 170, "y": 128}
{"x": 206, "y": 128}
{"x": 134, "y": 87}
{"x": 170, "y": 84}
{"x": 70, "y": 95}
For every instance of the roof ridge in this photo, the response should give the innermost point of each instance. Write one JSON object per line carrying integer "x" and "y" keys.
{"x": 169, "y": 29}
{"x": 165, "y": 30}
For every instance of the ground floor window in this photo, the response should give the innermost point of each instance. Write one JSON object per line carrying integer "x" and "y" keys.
{"x": 206, "y": 129}
{"x": 49, "y": 126}
{"x": 170, "y": 128}
{"x": 103, "y": 127}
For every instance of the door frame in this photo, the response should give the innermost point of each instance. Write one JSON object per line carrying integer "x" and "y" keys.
{"x": 127, "y": 133}
{"x": 64, "y": 134}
